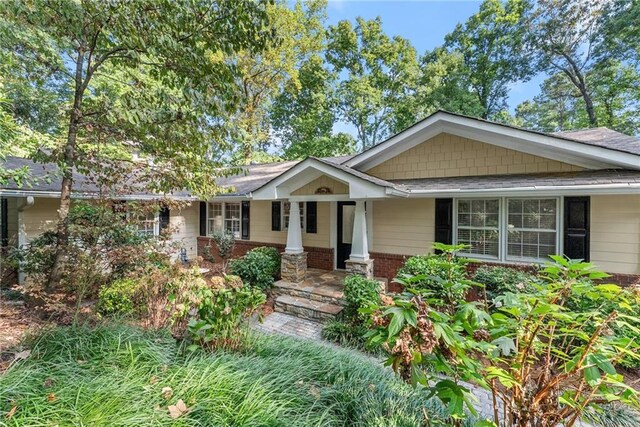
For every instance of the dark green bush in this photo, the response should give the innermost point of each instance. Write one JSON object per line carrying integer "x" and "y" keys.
{"x": 500, "y": 280}
{"x": 117, "y": 298}
{"x": 360, "y": 292}
{"x": 273, "y": 255}
{"x": 257, "y": 268}
{"x": 432, "y": 273}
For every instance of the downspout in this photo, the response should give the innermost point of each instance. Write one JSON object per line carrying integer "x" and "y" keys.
{"x": 22, "y": 236}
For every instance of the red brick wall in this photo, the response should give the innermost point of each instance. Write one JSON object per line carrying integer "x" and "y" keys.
{"x": 316, "y": 258}
{"x": 386, "y": 266}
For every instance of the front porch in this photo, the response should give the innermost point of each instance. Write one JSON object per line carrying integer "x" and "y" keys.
{"x": 320, "y": 296}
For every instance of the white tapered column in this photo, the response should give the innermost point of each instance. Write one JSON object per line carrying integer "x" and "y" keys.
{"x": 294, "y": 233}
{"x": 359, "y": 243}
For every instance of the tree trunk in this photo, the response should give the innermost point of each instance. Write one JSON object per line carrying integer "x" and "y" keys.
{"x": 68, "y": 162}
{"x": 588, "y": 104}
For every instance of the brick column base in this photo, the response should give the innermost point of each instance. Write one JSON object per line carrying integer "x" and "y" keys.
{"x": 363, "y": 268}
{"x": 293, "y": 267}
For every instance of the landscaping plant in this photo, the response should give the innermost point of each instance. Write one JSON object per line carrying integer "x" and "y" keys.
{"x": 257, "y": 268}
{"x": 118, "y": 375}
{"x": 117, "y": 298}
{"x": 225, "y": 243}
{"x": 349, "y": 329}
{"x": 221, "y": 317}
{"x": 499, "y": 280}
{"x": 441, "y": 276}
{"x": 534, "y": 353}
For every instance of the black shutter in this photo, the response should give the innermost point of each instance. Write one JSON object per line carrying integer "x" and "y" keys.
{"x": 4, "y": 231}
{"x": 245, "y": 220}
{"x": 444, "y": 221}
{"x": 164, "y": 218}
{"x": 203, "y": 218}
{"x": 275, "y": 216}
{"x": 312, "y": 217}
{"x": 576, "y": 227}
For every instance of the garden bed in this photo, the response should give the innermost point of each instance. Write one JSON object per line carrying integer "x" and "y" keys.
{"x": 120, "y": 375}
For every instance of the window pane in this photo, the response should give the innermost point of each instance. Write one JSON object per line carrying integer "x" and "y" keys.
{"x": 286, "y": 207}
{"x": 532, "y": 228}
{"x": 215, "y": 217}
{"x": 478, "y": 221}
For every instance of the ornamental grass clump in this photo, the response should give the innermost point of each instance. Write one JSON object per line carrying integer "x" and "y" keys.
{"x": 544, "y": 361}
{"x": 118, "y": 375}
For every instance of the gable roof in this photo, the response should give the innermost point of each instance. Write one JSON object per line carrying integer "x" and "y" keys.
{"x": 361, "y": 185}
{"x": 604, "y": 137}
{"x": 47, "y": 180}
{"x": 603, "y": 152}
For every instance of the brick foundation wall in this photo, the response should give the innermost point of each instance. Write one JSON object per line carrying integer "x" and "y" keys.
{"x": 316, "y": 257}
{"x": 387, "y": 266}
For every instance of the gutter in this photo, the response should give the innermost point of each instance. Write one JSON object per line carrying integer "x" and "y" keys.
{"x": 56, "y": 195}
{"x": 599, "y": 189}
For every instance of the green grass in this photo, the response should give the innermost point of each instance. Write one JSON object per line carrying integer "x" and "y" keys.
{"x": 107, "y": 377}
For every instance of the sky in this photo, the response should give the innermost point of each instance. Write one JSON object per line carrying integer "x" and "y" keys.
{"x": 424, "y": 23}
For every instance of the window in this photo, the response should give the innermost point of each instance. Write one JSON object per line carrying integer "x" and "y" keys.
{"x": 286, "y": 207}
{"x": 532, "y": 228}
{"x": 478, "y": 226}
{"x": 232, "y": 219}
{"x": 224, "y": 216}
{"x": 508, "y": 229}
{"x": 214, "y": 217}
{"x": 148, "y": 224}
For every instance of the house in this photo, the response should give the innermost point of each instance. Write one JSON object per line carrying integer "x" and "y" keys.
{"x": 514, "y": 196}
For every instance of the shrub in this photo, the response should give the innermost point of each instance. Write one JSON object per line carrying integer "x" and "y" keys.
{"x": 360, "y": 292}
{"x": 256, "y": 268}
{"x": 165, "y": 293}
{"x": 273, "y": 255}
{"x": 537, "y": 355}
{"x": 441, "y": 277}
{"x": 117, "y": 298}
{"x": 500, "y": 280}
{"x": 222, "y": 315}
{"x": 225, "y": 242}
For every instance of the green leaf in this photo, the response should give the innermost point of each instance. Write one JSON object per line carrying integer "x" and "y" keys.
{"x": 396, "y": 325}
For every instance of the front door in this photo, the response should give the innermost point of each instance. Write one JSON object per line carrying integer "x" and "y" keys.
{"x": 346, "y": 213}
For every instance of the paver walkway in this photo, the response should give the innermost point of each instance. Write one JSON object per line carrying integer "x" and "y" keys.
{"x": 289, "y": 325}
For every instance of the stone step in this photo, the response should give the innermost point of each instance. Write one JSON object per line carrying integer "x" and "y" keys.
{"x": 327, "y": 293}
{"x": 306, "y": 308}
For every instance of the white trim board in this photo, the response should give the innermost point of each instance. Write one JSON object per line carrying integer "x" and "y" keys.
{"x": 551, "y": 147}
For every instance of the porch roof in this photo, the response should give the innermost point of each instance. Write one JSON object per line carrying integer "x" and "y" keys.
{"x": 361, "y": 185}
{"x": 606, "y": 181}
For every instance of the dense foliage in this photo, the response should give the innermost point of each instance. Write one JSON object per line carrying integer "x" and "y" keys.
{"x": 119, "y": 375}
{"x": 544, "y": 359}
{"x": 224, "y": 244}
{"x": 258, "y": 267}
{"x": 117, "y": 298}
{"x": 441, "y": 277}
{"x": 497, "y": 281}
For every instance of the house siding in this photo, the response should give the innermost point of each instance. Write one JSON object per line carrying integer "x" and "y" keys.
{"x": 336, "y": 187}
{"x": 615, "y": 233}
{"x": 40, "y": 217}
{"x": 403, "y": 226}
{"x": 450, "y": 155}
{"x": 12, "y": 221}
{"x": 185, "y": 226}
{"x": 260, "y": 226}
{"x": 43, "y": 216}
